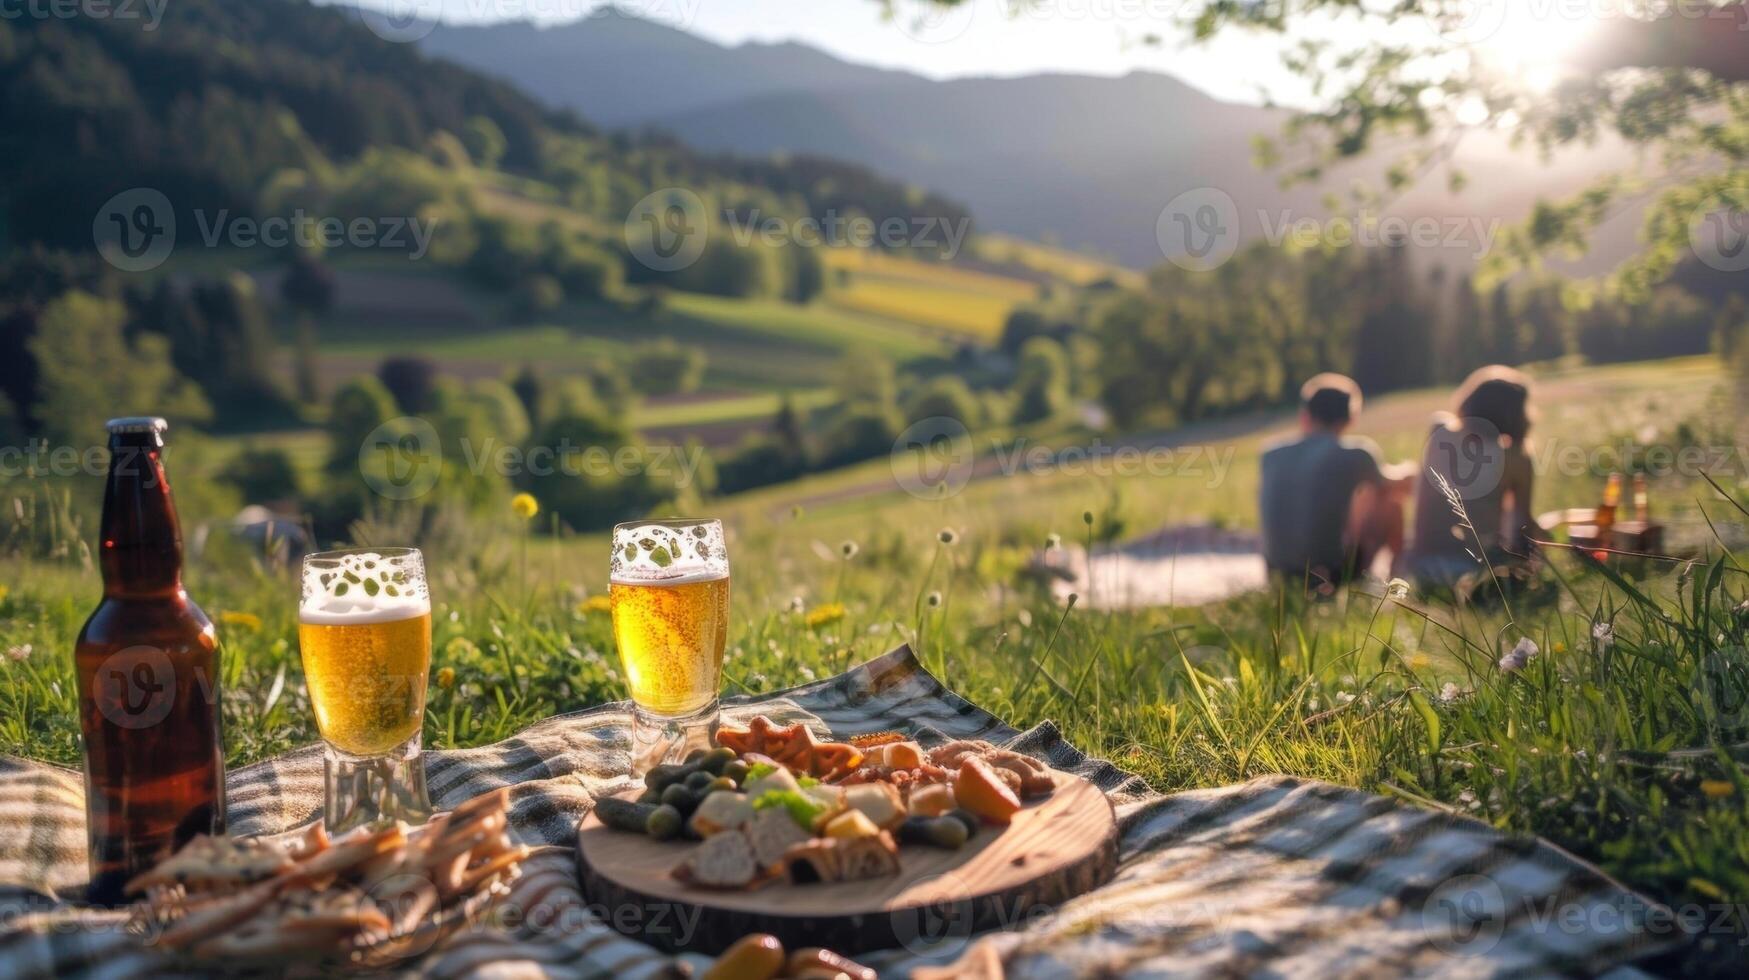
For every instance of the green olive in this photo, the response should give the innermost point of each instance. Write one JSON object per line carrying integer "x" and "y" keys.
{"x": 623, "y": 814}
{"x": 664, "y": 822}
{"x": 660, "y": 776}
{"x": 721, "y": 783}
{"x": 736, "y": 770}
{"x": 948, "y": 832}
{"x": 714, "y": 760}
{"x": 680, "y": 798}
{"x": 698, "y": 780}
{"x": 966, "y": 817}
{"x": 695, "y": 755}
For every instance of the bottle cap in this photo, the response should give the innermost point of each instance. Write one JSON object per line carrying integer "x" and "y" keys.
{"x": 137, "y": 423}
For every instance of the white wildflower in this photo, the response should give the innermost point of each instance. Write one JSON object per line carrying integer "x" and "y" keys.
{"x": 1520, "y": 656}
{"x": 1397, "y": 589}
{"x": 797, "y": 604}
{"x": 19, "y": 653}
{"x": 1450, "y": 692}
{"x": 1603, "y": 634}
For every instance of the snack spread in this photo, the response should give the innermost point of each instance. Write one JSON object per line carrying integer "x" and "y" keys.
{"x": 776, "y": 804}
{"x": 359, "y": 900}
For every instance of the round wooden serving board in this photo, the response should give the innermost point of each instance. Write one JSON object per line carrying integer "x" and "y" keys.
{"x": 1057, "y": 847}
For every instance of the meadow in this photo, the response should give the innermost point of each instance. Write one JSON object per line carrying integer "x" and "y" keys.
{"x": 1618, "y": 739}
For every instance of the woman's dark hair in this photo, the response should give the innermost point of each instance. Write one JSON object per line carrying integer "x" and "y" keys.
{"x": 1499, "y": 396}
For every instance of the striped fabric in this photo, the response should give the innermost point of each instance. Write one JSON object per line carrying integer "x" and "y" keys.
{"x": 1277, "y": 876}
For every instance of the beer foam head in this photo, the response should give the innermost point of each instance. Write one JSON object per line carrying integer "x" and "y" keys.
{"x": 359, "y": 587}
{"x": 671, "y": 552}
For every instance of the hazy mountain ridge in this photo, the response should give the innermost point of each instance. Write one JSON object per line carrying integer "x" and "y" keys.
{"x": 1088, "y": 161}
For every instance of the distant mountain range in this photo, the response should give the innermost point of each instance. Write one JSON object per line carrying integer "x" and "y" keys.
{"x": 1086, "y": 161}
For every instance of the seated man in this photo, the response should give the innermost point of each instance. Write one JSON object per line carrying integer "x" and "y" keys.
{"x": 1328, "y": 506}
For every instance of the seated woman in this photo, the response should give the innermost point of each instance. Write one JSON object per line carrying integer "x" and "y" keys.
{"x": 1472, "y": 505}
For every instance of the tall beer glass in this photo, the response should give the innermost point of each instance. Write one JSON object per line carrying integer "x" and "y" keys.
{"x": 364, "y": 628}
{"x": 669, "y": 584}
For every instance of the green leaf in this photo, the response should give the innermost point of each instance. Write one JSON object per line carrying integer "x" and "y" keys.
{"x": 1429, "y": 718}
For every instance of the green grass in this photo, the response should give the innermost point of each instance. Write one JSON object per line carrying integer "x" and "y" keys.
{"x": 749, "y": 345}
{"x": 1612, "y": 748}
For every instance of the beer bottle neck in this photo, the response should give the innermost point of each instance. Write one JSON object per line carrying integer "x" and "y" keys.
{"x": 141, "y": 541}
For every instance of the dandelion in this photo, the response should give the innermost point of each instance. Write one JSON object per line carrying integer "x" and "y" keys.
{"x": 248, "y": 621}
{"x": 19, "y": 653}
{"x": 824, "y": 615}
{"x": 947, "y": 536}
{"x": 446, "y": 677}
{"x": 1717, "y": 789}
{"x": 1419, "y": 661}
{"x": 1520, "y": 655}
{"x": 933, "y": 599}
{"x": 524, "y": 505}
{"x": 595, "y": 605}
{"x": 848, "y": 549}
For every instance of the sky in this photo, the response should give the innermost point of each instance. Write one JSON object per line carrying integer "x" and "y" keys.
{"x": 981, "y": 37}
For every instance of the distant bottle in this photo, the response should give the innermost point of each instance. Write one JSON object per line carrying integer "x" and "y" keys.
{"x": 1642, "y": 500}
{"x": 1606, "y": 512}
{"x": 148, "y": 673}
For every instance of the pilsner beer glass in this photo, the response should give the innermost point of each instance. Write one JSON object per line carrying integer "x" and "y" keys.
{"x": 364, "y": 629}
{"x": 669, "y": 585}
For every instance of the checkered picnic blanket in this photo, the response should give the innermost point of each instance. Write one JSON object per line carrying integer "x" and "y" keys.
{"x": 1279, "y": 875}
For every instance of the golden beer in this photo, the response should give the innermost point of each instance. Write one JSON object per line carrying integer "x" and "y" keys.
{"x": 364, "y": 627}
{"x": 671, "y": 636}
{"x": 367, "y": 678}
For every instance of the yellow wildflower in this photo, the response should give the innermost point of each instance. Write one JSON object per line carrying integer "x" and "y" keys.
{"x": 446, "y": 677}
{"x": 1717, "y": 789}
{"x": 525, "y": 506}
{"x": 595, "y": 604}
{"x": 1419, "y": 661}
{"x": 824, "y": 615}
{"x": 248, "y": 621}
{"x": 4, "y": 592}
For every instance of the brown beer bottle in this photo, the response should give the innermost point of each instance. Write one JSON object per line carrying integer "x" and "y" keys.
{"x": 147, "y": 665}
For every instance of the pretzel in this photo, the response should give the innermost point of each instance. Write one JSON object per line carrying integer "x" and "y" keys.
{"x": 358, "y": 901}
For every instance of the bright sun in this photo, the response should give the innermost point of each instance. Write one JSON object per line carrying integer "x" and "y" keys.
{"x": 1528, "y": 38}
